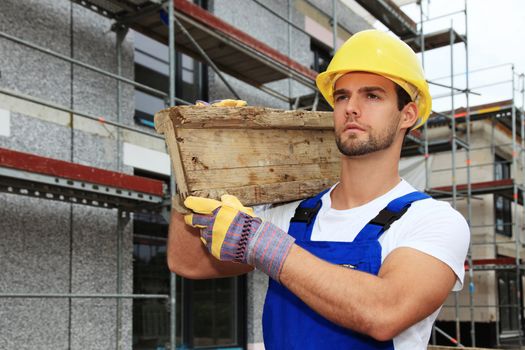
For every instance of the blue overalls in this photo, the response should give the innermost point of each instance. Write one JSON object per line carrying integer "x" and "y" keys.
{"x": 288, "y": 323}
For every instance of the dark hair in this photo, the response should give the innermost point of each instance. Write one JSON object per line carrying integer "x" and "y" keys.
{"x": 403, "y": 98}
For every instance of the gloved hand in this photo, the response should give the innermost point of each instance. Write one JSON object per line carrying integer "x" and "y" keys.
{"x": 222, "y": 103}
{"x": 232, "y": 232}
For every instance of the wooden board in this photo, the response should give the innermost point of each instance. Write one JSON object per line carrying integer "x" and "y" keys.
{"x": 260, "y": 155}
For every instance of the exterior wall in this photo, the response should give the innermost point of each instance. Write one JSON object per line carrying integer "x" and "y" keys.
{"x": 53, "y": 247}
{"x": 47, "y": 246}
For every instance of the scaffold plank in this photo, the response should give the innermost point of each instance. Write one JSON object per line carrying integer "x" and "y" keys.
{"x": 51, "y": 179}
{"x": 48, "y": 166}
{"x": 434, "y": 40}
{"x": 388, "y": 13}
{"x": 487, "y": 187}
{"x": 492, "y": 264}
{"x": 221, "y": 40}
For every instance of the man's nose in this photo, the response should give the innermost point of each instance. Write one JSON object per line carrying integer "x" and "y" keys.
{"x": 352, "y": 108}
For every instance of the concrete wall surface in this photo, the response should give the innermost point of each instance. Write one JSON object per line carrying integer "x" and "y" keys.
{"x": 54, "y": 247}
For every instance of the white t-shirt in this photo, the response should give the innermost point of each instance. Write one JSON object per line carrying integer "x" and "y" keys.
{"x": 430, "y": 226}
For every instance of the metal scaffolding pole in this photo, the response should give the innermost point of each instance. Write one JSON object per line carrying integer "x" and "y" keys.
{"x": 425, "y": 127}
{"x": 205, "y": 56}
{"x": 453, "y": 159}
{"x": 173, "y": 277}
{"x": 522, "y": 129}
{"x": 469, "y": 184}
{"x": 118, "y": 77}
{"x": 289, "y": 41}
{"x": 77, "y": 113}
{"x": 120, "y": 35}
{"x": 81, "y": 296}
{"x": 120, "y": 230}
{"x": 334, "y": 26}
{"x": 517, "y": 234}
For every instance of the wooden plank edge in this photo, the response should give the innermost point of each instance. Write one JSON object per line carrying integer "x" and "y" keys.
{"x": 164, "y": 125}
{"x": 250, "y": 117}
{"x": 266, "y": 194}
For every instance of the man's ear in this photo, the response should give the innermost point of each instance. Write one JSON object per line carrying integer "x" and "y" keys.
{"x": 409, "y": 115}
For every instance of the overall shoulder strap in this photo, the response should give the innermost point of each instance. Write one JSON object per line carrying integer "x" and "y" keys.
{"x": 301, "y": 224}
{"x": 386, "y": 217}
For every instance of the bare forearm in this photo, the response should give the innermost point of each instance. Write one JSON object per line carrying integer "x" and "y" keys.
{"x": 188, "y": 257}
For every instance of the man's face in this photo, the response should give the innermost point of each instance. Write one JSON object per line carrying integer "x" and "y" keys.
{"x": 366, "y": 117}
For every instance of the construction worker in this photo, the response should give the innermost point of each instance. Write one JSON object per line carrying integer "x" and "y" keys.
{"x": 365, "y": 264}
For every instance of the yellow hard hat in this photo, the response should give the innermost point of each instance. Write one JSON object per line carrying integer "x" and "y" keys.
{"x": 379, "y": 53}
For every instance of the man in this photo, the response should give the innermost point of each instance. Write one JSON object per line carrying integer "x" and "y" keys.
{"x": 364, "y": 265}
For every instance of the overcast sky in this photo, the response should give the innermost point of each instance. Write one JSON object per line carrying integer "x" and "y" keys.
{"x": 496, "y": 36}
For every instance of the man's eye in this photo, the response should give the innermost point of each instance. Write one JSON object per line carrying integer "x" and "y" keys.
{"x": 371, "y": 96}
{"x": 340, "y": 98}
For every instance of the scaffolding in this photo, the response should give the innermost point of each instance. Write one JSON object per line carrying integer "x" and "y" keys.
{"x": 196, "y": 32}
{"x": 503, "y": 113}
{"x": 469, "y": 190}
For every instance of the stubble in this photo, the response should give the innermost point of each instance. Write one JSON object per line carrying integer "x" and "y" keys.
{"x": 352, "y": 146}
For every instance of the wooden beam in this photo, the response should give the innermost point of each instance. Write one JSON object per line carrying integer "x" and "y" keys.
{"x": 260, "y": 155}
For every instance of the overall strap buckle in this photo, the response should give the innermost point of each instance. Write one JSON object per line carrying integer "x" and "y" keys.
{"x": 385, "y": 218}
{"x": 306, "y": 214}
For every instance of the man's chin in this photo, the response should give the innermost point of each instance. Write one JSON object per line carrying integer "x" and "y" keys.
{"x": 354, "y": 150}
{"x": 354, "y": 156}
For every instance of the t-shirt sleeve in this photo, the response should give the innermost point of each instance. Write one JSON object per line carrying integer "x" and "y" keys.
{"x": 440, "y": 231}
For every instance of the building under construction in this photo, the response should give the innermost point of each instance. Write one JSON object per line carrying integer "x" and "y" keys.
{"x": 86, "y": 182}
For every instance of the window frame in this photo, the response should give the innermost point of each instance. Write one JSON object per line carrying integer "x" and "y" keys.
{"x": 502, "y": 170}
{"x": 185, "y": 296}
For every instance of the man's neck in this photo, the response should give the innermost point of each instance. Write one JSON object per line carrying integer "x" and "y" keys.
{"x": 365, "y": 178}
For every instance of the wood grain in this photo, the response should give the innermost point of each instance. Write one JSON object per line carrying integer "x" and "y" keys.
{"x": 260, "y": 155}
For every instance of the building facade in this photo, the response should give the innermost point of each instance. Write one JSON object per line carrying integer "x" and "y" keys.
{"x": 64, "y": 265}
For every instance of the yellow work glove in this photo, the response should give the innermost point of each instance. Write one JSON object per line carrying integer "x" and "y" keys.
{"x": 207, "y": 206}
{"x": 231, "y": 232}
{"x": 222, "y": 103}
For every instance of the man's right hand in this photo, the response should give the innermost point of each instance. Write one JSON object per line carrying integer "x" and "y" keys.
{"x": 189, "y": 258}
{"x": 231, "y": 232}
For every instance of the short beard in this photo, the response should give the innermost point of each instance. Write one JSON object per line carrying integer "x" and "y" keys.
{"x": 375, "y": 143}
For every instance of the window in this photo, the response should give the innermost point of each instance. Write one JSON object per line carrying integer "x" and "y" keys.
{"x": 502, "y": 205}
{"x": 508, "y": 302}
{"x": 152, "y": 69}
{"x": 151, "y": 319}
{"x": 322, "y": 55}
{"x": 209, "y": 312}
